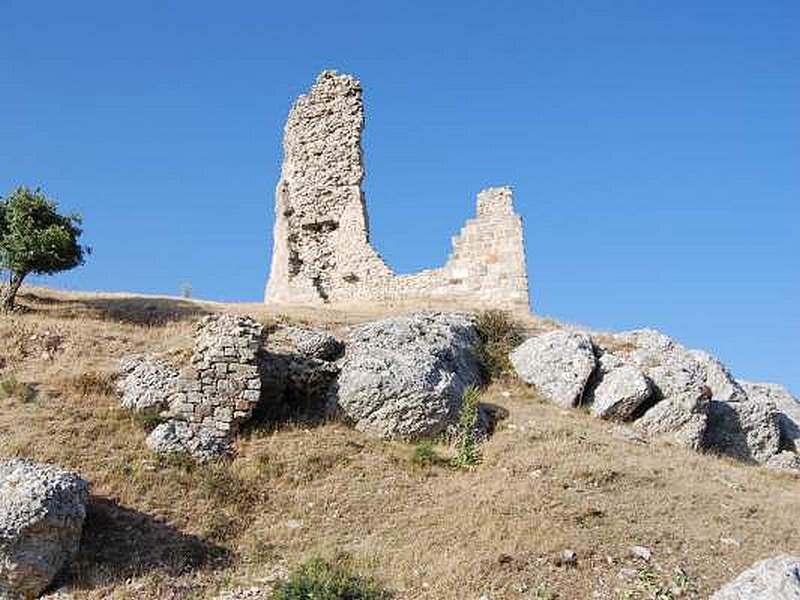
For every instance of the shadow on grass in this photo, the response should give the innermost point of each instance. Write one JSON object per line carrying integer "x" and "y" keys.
{"x": 119, "y": 543}
{"x": 148, "y": 311}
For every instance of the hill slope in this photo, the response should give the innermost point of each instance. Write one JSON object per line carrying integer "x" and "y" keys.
{"x": 550, "y": 481}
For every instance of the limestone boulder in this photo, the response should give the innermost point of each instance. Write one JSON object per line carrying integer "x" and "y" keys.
{"x": 558, "y": 363}
{"x": 405, "y": 376}
{"x": 145, "y": 382}
{"x": 620, "y": 393}
{"x": 785, "y": 461}
{"x": 312, "y": 343}
{"x": 747, "y": 431}
{"x": 776, "y": 578}
{"x": 179, "y": 437}
{"x": 42, "y": 510}
{"x": 785, "y": 403}
{"x": 719, "y": 379}
{"x": 670, "y": 367}
{"x": 681, "y": 418}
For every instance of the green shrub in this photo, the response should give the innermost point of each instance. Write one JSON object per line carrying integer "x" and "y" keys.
{"x": 318, "y": 579}
{"x": 149, "y": 418}
{"x": 499, "y": 335}
{"x": 425, "y": 455}
{"x": 11, "y": 387}
{"x": 467, "y": 454}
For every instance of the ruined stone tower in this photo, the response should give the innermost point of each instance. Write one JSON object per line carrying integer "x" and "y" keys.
{"x": 321, "y": 250}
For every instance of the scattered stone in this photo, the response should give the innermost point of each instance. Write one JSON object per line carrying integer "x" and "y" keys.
{"x": 42, "y": 510}
{"x": 717, "y": 377}
{"x": 179, "y": 437}
{"x": 788, "y": 408}
{"x": 568, "y": 558}
{"x": 775, "y": 578}
{"x": 620, "y": 393}
{"x": 641, "y": 553}
{"x": 559, "y": 363}
{"x": 405, "y": 376}
{"x": 785, "y": 461}
{"x": 747, "y": 431}
{"x": 681, "y": 418}
{"x": 146, "y": 382}
{"x": 294, "y": 524}
{"x": 251, "y": 593}
{"x": 726, "y": 541}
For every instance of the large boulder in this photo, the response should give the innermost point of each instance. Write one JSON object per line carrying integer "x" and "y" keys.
{"x": 775, "y": 578}
{"x": 719, "y": 379}
{"x": 747, "y": 431}
{"x": 405, "y": 376}
{"x": 146, "y": 382}
{"x": 620, "y": 393}
{"x": 671, "y": 367}
{"x": 681, "y": 418}
{"x": 785, "y": 403}
{"x": 558, "y": 363}
{"x": 42, "y": 509}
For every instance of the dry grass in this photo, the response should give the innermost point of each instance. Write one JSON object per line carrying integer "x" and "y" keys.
{"x": 549, "y": 480}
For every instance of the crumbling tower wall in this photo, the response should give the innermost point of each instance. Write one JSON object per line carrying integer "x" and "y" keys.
{"x": 321, "y": 251}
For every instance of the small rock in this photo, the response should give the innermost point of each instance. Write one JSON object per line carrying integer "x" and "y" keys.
{"x": 568, "y": 558}
{"x": 642, "y": 553}
{"x": 294, "y": 524}
{"x": 786, "y": 461}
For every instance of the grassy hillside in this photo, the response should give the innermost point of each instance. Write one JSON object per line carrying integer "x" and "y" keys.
{"x": 549, "y": 481}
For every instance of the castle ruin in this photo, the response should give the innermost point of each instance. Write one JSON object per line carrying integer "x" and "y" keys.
{"x": 322, "y": 252}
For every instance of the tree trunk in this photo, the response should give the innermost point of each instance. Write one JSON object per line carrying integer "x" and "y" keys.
{"x": 9, "y": 293}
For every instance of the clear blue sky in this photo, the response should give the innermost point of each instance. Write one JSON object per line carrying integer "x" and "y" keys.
{"x": 654, "y": 147}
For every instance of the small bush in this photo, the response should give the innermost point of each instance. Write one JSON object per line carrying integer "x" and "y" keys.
{"x": 425, "y": 455}
{"x": 499, "y": 335}
{"x": 10, "y": 387}
{"x": 149, "y": 418}
{"x": 318, "y": 579}
{"x": 467, "y": 454}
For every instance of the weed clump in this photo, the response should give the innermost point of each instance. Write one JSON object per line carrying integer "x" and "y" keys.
{"x": 467, "y": 454}
{"x": 12, "y": 388}
{"x": 320, "y": 579}
{"x": 499, "y": 335}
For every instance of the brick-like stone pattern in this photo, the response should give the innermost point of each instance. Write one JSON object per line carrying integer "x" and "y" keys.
{"x": 321, "y": 251}
{"x": 222, "y": 385}
{"x": 216, "y": 392}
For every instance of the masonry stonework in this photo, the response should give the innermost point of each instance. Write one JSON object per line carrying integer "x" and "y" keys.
{"x": 322, "y": 253}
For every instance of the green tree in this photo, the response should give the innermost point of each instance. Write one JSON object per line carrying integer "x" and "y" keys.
{"x": 35, "y": 238}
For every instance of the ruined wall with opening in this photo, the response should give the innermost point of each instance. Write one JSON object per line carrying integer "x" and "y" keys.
{"x": 321, "y": 251}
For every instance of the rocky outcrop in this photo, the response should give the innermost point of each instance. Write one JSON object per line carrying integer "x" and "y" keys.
{"x": 42, "y": 510}
{"x": 786, "y": 405}
{"x": 775, "y": 578}
{"x": 718, "y": 379}
{"x": 747, "y": 431}
{"x": 145, "y": 382}
{"x": 681, "y": 418}
{"x": 670, "y": 367}
{"x": 405, "y": 376}
{"x": 216, "y": 392}
{"x": 558, "y": 363}
{"x": 621, "y": 392}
